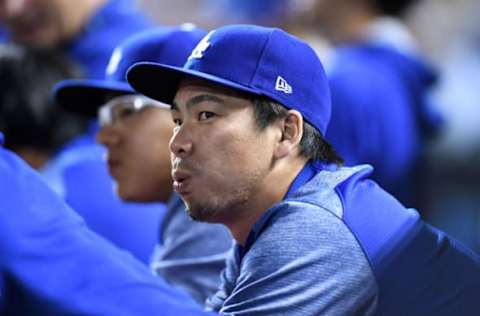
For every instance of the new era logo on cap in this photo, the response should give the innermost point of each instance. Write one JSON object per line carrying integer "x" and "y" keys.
{"x": 283, "y": 86}
{"x": 201, "y": 47}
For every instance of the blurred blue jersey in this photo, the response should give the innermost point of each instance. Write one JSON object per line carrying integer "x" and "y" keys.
{"x": 381, "y": 113}
{"x": 52, "y": 264}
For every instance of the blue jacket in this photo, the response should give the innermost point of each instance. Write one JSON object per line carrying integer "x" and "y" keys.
{"x": 381, "y": 114}
{"x": 338, "y": 244}
{"x": 418, "y": 268}
{"x": 52, "y": 264}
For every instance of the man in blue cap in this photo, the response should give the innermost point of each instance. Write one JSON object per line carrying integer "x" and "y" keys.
{"x": 251, "y": 106}
{"x": 312, "y": 238}
{"x": 136, "y": 131}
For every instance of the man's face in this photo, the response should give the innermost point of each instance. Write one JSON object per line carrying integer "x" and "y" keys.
{"x": 138, "y": 157}
{"x": 219, "y": 156}
{"x": 38, "y": 23}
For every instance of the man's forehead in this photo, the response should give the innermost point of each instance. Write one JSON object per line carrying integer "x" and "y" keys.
{"x": 200, "y": 85}
{"x": 192, "y": 91}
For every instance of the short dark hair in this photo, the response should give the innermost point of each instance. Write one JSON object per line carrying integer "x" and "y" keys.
{"x": 393, "y": 7}
{"x": 29, "y": 117}
{"x": 312, "y": 145}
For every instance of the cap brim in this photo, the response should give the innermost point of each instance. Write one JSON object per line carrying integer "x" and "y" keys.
{"x": 87, "y": 96}
{"x": 160, "y": 82}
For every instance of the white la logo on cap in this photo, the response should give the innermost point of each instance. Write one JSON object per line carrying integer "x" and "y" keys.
{"x": 114, "y": 61}
{"x": 283, "y": 86}
{"x": 201, "y": 47}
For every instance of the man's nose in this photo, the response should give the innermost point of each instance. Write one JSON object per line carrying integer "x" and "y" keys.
{"x": 181, "y": 142}
{"x": 107, "y": 136}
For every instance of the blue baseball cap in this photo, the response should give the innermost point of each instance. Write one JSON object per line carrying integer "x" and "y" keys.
{"x": 168, "y": 45}
{"x": 257, "y": 60}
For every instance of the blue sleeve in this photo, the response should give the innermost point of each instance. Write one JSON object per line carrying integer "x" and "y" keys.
{"x": 419, "y": 269}
{"x": 51, "y": 264}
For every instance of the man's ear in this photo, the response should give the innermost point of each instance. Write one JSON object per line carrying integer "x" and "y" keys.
{"x": 291, "y": 128}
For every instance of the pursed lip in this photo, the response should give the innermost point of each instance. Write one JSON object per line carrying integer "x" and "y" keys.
{"x": 181, "y": 179}
{"x": 113, "y": 167}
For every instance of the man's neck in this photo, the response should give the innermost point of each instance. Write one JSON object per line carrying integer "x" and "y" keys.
{"x": 271, "y": 191}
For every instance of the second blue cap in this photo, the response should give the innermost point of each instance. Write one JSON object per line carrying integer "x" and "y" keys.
{"x": 166, "y": 45}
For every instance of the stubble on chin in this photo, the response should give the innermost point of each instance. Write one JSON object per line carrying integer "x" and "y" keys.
{"x": 220, "y": 209}
{"x": 202, "y": 213}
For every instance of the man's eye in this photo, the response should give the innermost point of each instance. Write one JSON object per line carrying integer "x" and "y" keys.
{"x": 205, "y": 115}
{"x": 125, "y": 112}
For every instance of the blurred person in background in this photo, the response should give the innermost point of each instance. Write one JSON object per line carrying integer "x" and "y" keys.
{"x": 136, "y": 131}
{"x": 35, "y": 129}
{"x": 266, "y": 12}
{"x": 453, "y": 43}
{"x": 87, "y": 32}
{"x": 381, "y": 109}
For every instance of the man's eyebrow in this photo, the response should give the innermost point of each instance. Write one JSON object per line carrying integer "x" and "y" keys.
{"x": 197, "y": 100}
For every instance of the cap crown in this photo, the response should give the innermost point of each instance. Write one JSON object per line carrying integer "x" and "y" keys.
{"x": 266, "y": 61}
{"x": 154, "y": 46}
